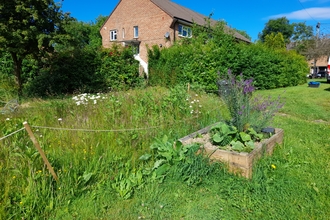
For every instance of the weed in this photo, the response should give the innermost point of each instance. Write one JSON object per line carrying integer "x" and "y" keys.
{"x": 98, "y": 170}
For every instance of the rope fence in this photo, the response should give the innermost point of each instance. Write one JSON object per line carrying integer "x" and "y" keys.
{"x": 95, "y": 130}
{"x": 11, "y": 134}
{"x": 91, "y": 130}
{"x": 27, "y": 127}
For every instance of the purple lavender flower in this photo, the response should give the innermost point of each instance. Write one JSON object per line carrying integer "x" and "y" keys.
{"x": 257, "y": 111}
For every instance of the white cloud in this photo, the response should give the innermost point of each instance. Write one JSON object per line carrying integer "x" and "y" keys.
{"x": 306, "y": 14}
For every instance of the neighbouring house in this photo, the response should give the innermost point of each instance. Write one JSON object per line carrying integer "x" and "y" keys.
{"x": 142, "y": 23}
{"x": 321, "y": 65}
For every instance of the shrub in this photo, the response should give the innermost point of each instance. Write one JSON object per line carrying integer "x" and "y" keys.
{"x": 82, "y": 70}
{"x": 119, "y": 68}
{"x": 7, "y": 79}
{"x": 197, "y": 61}
{"x": 66, "y": 72}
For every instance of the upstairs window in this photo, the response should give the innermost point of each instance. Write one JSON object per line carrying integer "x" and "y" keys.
{"x": 113, "y": 35}
{"x": 184, "y": 31}
{"x": 136, "y": 31}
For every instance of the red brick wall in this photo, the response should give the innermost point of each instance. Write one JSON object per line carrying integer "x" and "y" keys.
{"x": 153, "y": 23}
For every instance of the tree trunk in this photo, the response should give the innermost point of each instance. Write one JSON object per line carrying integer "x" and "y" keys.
{"x": 314, "y": 69}
{"x": 18, "y": 72}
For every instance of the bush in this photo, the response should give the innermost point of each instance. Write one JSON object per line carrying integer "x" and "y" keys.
{"x": 197, "y": 61}
{"x": 119, "y": 68}
{"x": 82, "y": 70}
{"x": 66, "y": 72}
{"x": 7, "y": 79}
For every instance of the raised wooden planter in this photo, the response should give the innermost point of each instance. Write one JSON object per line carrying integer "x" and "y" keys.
{"x": 238, "y": 163}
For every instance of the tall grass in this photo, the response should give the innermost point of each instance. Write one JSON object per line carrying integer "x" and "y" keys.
{"x": 99, "y": 172}
{"x": 90, "y": 145}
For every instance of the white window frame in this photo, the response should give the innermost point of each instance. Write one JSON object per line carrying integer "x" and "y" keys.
{"x": 113, "y": 35}
{"x": 184, "y": 31}
{"x": 136, "y": 32}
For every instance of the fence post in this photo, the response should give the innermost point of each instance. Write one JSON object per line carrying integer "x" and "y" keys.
{"x": 36, "y": 144}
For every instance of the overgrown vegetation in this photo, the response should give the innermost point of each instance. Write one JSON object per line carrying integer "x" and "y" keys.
{"x": 129, "y": 169}
{"x": 197, "y": 61}
{"x": 115, "y": 149}
{"x": 84, "y": 70}
{"x": 76, "y": 71}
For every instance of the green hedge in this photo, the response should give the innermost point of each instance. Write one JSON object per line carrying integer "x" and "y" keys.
{"x": 83, "y": 70}
{"x": 199, "y": 60}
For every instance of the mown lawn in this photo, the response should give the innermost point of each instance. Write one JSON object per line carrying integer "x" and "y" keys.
{"x": 93, "y": 167}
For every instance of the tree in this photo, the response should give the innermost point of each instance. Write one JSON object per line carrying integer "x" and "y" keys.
{"x": 302, "y": 35}
{"x": 301, "y": 31}
{"x": 95, "y": 36}
{"x": 317, "y": 47}
{"x": 280, "y": 25}
{"x": 29, "y": 27}
{"x": 81, "y": 34}
{"x": 275, "y": 41}
{"x": 77, "y": 38}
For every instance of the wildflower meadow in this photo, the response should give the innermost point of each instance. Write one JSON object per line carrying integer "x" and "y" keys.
{"x": 114, "y": 158}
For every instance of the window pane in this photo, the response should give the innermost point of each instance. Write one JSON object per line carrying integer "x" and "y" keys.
{"x": 184, "y": 33}
{"x": 113, "y": 35}
{"x": 180, "y": 29}
{"x": 136, "y": 31}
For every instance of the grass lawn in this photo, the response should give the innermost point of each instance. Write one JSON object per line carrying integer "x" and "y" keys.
{"x": 101, "y": 176}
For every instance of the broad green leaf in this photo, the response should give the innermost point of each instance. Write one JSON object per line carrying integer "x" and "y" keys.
{"x": 217, "y": 138}
{"x": 250, "y": 144}
{"x": 259, "y": 136}
{"x": 145, "y": 157}
{"x": 237, "y": 145}
{"x": 216, "y": 127}
{"x": 225, "y": 129}
{"x": 178, "y": 145}
{"x": 167, "y": 155}
{"x": 162, "y": 169}
{"x": 158, "y": 163}
{"x": 245, "y": 137}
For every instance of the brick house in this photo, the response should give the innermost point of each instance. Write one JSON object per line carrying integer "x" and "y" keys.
{"x": 142, "y": 23}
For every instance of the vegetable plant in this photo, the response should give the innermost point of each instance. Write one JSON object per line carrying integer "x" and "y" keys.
{"x": 230, "y": 138}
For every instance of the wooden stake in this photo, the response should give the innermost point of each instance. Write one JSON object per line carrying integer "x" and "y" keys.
{"x": 36, "y": 144}
{"x": 188, "y": 87}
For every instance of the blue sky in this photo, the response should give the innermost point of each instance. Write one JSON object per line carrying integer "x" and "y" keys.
{"x": 249, "y": 16}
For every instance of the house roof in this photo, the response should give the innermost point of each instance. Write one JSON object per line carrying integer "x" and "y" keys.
{"x": 178, "y": 11}
{"x": 321, "y": 61}
{"x": 185, "y": 14}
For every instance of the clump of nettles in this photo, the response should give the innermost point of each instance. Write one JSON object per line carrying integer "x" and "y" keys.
{"x": 246, "y": 110}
